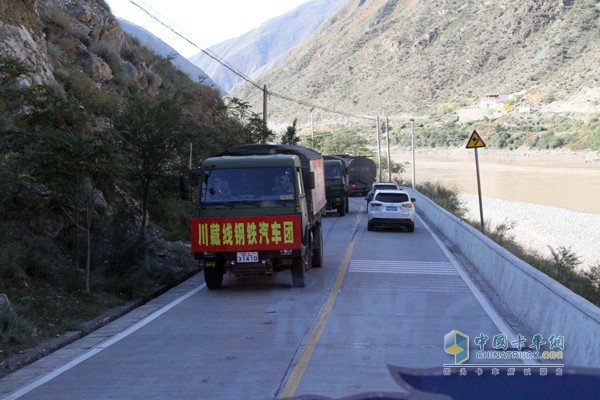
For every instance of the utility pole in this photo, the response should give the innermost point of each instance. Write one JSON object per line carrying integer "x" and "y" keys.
{"x": 412, "y": 136}
{"x": 378, "y": 146}
{"x": 387, "y": 139}
{"x": 312, "y": 129}
{"x": 264, "y": 110}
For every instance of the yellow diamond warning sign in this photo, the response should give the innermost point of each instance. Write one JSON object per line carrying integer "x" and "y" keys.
{"x": 475, "y": 141}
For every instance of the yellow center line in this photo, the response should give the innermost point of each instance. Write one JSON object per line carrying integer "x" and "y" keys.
{"x": 298, "y": 372}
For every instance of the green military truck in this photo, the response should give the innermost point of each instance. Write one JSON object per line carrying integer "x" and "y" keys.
{"x": 260, "y": 212}
{"x": 336, "y": 184}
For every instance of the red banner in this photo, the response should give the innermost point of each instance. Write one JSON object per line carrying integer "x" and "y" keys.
{"x": 275, "y": 232}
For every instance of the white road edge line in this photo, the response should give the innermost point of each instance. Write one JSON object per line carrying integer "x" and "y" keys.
{"x": 488, "y": 308}
{"x": 97, "y": 349}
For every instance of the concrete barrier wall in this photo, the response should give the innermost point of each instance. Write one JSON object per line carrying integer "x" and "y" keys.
{"x": 541, "y": 304}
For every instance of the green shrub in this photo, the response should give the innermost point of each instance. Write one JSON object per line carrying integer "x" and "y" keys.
{"x": 502, "y": 139}
{"x": 550, "y": 141}
{"x": 445, "y": 197}
{"x": 37, "y": 258}
{"x": 594, "y": 139}
{"x": 73, "y": 280}
{"x": 172, "y": 216}
{"x": 548, "y": 98}
{"x": 58, "y": 19}
{"x": 12, "y": 273}
{"x": 14, "y": 329}
{"x": 564, "y": 262}
{"x": 130, "y": 286}
{"x": 108, "y": 54}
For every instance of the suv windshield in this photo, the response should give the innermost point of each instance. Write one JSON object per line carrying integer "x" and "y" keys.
{"x": 392, "y": 197}
{"x": 381, "y": 186}
{"x": 235, "y": 185}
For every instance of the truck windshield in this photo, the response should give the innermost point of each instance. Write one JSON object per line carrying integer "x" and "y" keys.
{"x": 332, "y": 172}
{"x": 248, "y": 185}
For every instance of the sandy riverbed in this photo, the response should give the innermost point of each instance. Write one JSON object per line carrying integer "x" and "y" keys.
{"x": 538, "y": 226}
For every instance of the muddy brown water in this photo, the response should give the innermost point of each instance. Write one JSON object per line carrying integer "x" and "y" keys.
{"x": 566, "y": 181}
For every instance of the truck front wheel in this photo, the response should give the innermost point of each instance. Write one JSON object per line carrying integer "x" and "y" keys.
{"x": 299, "y": 268}
{"x": 317, "y": 255}
{"x": 213, "y": 276}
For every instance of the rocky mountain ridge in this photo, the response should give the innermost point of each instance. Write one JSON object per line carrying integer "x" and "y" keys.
{"x": 403, "y": 58}
{"x": 264, "y": 47}
{"x": 146, "y": 38}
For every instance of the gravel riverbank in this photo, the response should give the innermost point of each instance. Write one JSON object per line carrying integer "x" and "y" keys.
{"x": 538, "y": 226}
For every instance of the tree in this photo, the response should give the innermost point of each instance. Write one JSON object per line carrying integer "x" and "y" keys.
{"x": 343, "y": 143}
{"x": 252, "y": 127}
{"x": 257, "y": 131}
{"x": 10, "y": 97}
{"x": 290, "y": 135}
{"x": 152, "y": 144}
{"x": 75, "y": 169}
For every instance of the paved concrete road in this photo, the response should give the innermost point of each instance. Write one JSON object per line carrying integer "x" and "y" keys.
{"x": 384, "y": 297}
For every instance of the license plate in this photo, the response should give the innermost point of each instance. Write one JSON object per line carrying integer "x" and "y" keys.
{"x": 247, "y": 256}
{"x": 391, "y": 208}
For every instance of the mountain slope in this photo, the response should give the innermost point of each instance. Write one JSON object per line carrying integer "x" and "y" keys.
{"x": 262, "y": 48}
{"x": 149, "y": 40}
{"x": 403, "y": 57}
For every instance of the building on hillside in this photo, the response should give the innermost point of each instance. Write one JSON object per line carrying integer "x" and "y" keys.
{"x": 493, "y": 100}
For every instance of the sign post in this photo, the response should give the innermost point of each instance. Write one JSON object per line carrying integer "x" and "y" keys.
{"x": 475, "y": 142}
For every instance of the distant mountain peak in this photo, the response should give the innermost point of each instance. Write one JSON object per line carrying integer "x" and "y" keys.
{"x": 262, "y": 48}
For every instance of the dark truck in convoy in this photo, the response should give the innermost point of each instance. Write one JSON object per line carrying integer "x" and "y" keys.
{"x": 260, "y": 212}
{"x": 361, "y": 174}
{"x": 336, "y": 184}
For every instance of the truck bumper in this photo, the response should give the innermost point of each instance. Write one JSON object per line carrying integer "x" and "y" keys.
{"x": 267, "y": 262}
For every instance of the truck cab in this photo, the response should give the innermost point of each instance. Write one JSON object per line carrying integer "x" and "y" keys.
{"x": 336, "y": 184}
{"x": 259, "y": 213}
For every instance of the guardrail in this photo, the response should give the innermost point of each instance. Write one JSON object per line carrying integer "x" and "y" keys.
{"x": 539, "y": 302}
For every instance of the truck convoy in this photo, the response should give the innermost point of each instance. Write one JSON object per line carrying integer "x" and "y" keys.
{"x": 336, "y": 184}
{"x": 260, "y": 212}
{"x": 362, "y": 172}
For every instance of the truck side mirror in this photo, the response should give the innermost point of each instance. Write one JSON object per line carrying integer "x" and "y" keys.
{"x": 309, "y": 180}
{"x": 184, "y": 186}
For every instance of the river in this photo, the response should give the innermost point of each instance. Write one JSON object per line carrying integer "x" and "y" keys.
{"x": 559, "y": 180}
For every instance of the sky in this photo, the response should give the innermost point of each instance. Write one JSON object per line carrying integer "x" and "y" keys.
{"x": 203, "y": 22}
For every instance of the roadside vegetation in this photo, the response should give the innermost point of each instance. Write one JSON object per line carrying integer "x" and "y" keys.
{"x": 91, "y": 213}
{"x": 562, "y": 266}
{"x": 355, "y": 141}
{"x": 509, "y": 132}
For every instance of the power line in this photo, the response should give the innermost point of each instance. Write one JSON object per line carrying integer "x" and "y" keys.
{"x": 208, "y": 53}
{"x": 331, "y": 110}
{"x": 227, "y": 65}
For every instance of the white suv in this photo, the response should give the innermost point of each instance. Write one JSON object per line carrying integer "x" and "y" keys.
{"x": 392, "y": 208}
{"x": 379, "y": 186}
